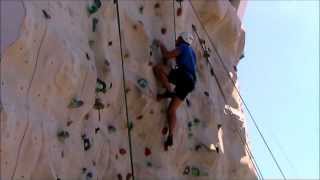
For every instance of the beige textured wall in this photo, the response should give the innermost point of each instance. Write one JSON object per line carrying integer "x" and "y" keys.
{"x": 51, "y": 62}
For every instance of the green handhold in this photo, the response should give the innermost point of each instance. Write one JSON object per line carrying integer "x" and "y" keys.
{"x": 97, "y": 3}
{"x": 98, "y": 104}
{"x": 74, "y": 103}
{"x": 130, "y": 125}
{"x": 100, "y": 86}
{"x": 195, "y": 171}
{"x": 92, "y": 9}
{"x": 143, "y": 83}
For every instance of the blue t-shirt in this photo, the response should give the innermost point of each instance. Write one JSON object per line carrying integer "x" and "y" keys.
{"x": 186, "y": 59}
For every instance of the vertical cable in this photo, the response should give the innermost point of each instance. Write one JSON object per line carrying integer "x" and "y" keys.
{"x": 124, "y": 88}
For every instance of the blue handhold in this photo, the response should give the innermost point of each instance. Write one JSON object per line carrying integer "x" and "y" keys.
{"x": 143, "y": 83}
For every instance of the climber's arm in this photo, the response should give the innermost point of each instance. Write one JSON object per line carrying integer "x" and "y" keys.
{"x": 166, "y": 53}
{"x": 169, "y": 54}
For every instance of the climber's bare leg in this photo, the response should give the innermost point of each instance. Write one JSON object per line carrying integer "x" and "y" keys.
{"x": 171, "y": 113}
{"x": 161, "y": 73}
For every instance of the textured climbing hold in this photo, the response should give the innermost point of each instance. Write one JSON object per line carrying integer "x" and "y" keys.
{"x": 86, "y": 142}
{"x": 206, "y": 93}
{"x": 62, "y": 135}
{"x": 110, "y": 43}
{"x": 91, "y": 43}
{"x": 147, "y": 151}
{"x": 189, "y": 124}
{"x": 135, "y": 27}
{"x": 97, "y": 3}
{"x": 74, "y": 103}
{"x": 94, "y": 7}
{"x": 206, "y": 54}
{"x": 84, "y": 170}
{"x": 45, "y": 14}
{"x": 212, "y": 72}
{"x": 163, "y": 30}
{"x": 86, "y": 117}
{"x": 190, "y": 135}
{"x": 94, "y": 24}
{"x": 97, "y": 130}
{"x": 69, "y": 123}
{"x": 235, "y": 68}
{"x": 122, "y": 151}
{"x": 202, "y": 41}
{"x": 128, "y": 177}
{"x": 242, "y": 56}
{"x": 164, "y": 131}
{"x": 111, "y": 129}
{"x": 149, "y": 164}
{"x": 130, "y": 125}
{"x": 197, "y": 147}
{"x": 219, "y": 126}
{"x": 98, "y": 105}
{"x": 186, "y": 170}
{"x": 119, "y": 176}
{"x": 89, "y": 175}
{"x": 196, "y": 121}
{"x": 157, "y": 5}
{"x": 143, "y": 83}
{"x": 126, "y": 55}
{"x": 87, "y": 56}
{"x": 141, "y": 9}
{"x": 179, "y": 11}
{"x": 140, "y": 117}
{"x": 100, "y": 86}
{"x": 195, "y": 171}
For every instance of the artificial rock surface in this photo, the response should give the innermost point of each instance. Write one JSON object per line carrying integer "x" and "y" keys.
{"x": 57, "y": 123}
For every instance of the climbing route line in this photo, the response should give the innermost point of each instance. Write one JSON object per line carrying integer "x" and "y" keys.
{"x": 124, "y": 88}
{"x": 252, "y": 159}
{"x": 238, "y": 92}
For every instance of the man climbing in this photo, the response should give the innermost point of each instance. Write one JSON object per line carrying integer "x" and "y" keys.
{"x": 183, "y": 76}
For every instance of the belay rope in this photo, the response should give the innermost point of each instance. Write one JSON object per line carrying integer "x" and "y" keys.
{"x": 124, "y": 89}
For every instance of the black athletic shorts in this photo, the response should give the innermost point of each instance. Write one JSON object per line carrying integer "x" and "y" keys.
{"x": 184, "y": 81}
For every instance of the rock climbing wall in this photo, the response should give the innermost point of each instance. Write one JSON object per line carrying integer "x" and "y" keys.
{"x": 78, "y": 104}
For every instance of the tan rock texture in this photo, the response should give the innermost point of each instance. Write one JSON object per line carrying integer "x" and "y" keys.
{"x": 55, "y": 125}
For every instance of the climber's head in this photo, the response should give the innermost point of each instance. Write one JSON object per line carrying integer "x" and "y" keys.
{"x": 185, "y": 37}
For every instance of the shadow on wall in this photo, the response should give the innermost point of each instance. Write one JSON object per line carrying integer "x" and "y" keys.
{"x": 10, "y": 28}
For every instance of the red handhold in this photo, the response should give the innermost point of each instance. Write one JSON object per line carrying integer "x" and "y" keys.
{"x": 164, "y": 131}
{"x": 122, "y": 151}
{"x": 147, "y": 151}
{"x": 179, "y": 11}
{"x": 140, "y": 117}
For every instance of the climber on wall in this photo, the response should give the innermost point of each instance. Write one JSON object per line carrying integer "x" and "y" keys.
{"x": 183, "y": 76}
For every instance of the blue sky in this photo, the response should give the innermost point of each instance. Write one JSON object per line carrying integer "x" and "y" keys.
{"x": 279, "y": 79}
